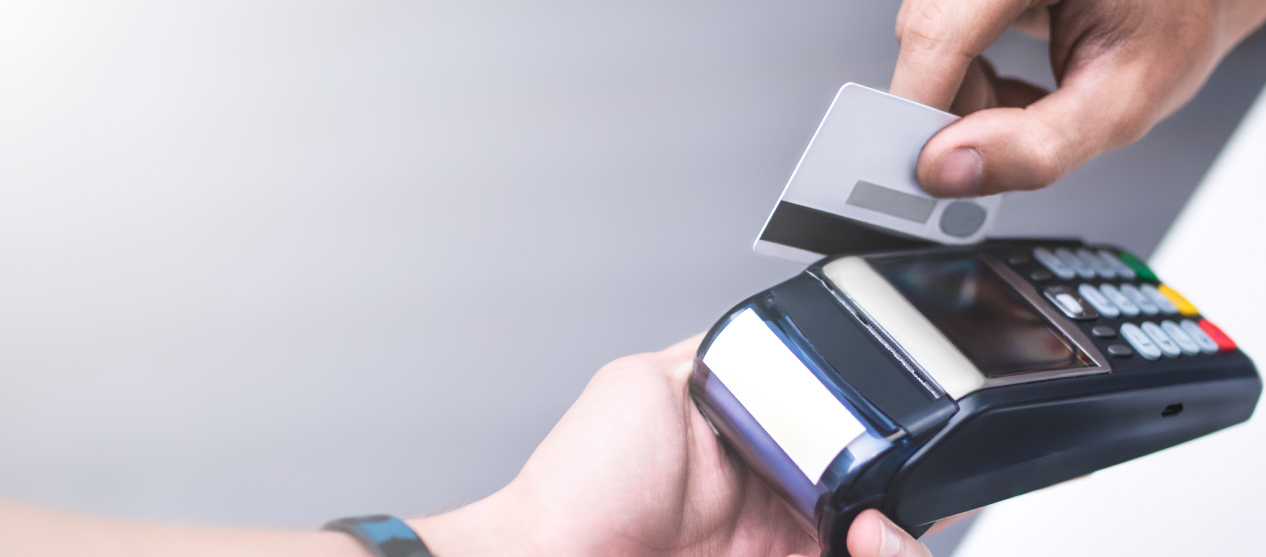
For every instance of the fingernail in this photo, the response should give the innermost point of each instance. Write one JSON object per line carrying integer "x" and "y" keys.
{"x": 890, "y": 544}
{"x": 959, "y": 173}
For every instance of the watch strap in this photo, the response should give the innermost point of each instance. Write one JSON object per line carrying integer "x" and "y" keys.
{"x": 383, "y": 535}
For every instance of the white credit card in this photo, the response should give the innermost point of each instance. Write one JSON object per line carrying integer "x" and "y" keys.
{"x": 855, "y": 188}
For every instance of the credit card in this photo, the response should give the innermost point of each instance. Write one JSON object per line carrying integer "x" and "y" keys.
{"x": 855, "y": 188}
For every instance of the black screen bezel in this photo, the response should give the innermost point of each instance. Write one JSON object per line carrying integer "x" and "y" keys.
{"x": 989, "y": 255}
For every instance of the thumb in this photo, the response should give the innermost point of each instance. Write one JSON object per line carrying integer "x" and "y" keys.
{"x": 873, "y": 535}
{"x": 1002, "y": 149}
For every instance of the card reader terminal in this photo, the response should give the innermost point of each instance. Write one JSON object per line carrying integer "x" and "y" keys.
{"x": 932, "y": 381}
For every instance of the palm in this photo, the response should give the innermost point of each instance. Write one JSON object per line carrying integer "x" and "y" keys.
{"x": 648, "y": 476}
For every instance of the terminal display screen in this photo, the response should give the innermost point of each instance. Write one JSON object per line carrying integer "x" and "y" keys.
{"x": 982, "y": 315}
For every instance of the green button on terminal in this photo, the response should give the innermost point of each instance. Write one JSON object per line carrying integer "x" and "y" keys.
{"x": 1144, "y": 272}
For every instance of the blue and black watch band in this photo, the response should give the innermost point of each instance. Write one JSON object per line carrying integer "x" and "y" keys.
{"x": 384, "y": 535}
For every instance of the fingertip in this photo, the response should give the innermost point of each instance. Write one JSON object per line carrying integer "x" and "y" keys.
{"x": 873, "y": 535}
{"x": 866, "y": 535}
{"x": 958, "y": 172}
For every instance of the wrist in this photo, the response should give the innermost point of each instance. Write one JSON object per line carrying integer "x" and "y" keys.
{"x": 334, "y": 544}
{"x": 495, "y": 526}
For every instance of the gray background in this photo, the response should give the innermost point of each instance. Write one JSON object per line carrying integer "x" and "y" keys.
{"x": 268, "y": 263}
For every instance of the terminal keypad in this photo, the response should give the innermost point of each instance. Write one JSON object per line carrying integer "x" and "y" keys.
{"x": 1122, "y": 303}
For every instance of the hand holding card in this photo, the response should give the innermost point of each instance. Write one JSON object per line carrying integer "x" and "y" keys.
{"x": 855, "y": 188}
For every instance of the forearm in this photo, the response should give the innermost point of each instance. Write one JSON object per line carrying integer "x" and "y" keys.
{"x": 29, "y": 531}
{"x": 504, "y": 523}
{"x": 493, "y": 526}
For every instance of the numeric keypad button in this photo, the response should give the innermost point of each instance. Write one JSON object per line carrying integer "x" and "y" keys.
{"x": 1141, "y": 342}
{"x": 1119, "y": 300}
{"x": 1099, "y": 265}
{"x": 1054, "y": 264}
{"x": 1206, "y": 344}
{"x": 1145, "y": 305}
{"x": 1083, "y": 269}
{"x": 1185, "y": 342}
{"x": 1166, "y": 307}
{"x": 1099, "y": 301}
{"x": 1162, "y": 340}
{"x": 1124, "y": 271}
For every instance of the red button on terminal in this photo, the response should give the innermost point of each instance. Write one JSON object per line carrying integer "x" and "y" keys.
{"x": 1224, "y": 342}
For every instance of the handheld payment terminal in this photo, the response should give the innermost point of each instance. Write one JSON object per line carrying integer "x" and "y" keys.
{"x": 928, "y": 382}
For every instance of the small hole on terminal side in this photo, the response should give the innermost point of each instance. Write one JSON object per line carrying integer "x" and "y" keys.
{"x": 1171, "y": 410}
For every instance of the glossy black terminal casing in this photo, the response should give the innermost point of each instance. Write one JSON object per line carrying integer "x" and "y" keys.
{"x": 925, "y": 455}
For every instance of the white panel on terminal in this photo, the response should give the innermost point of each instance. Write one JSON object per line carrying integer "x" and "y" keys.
{"x": 779, "y": 391}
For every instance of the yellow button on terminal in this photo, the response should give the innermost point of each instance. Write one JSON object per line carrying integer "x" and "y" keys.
{"x": 1184, "y": 307}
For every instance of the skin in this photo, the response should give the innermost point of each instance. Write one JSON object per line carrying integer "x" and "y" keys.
{"x": 1121, "y": 66}
{"x": 635, "y": 441}
{"x": 632, "y": 468}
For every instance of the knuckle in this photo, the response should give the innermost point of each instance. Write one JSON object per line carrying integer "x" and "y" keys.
{"x": 1131, "y": 120}
{"x": 930, "y": 29}
{"x": 649, "y": 365}
{"x": 1049, "y": 157}
{"x": 922, "y": 26}
{"x": 1130, "y": 127}
{"x": 1052, "y": 165}
{"x": 628, "y": 364}
{"x": 925, "y": 27}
